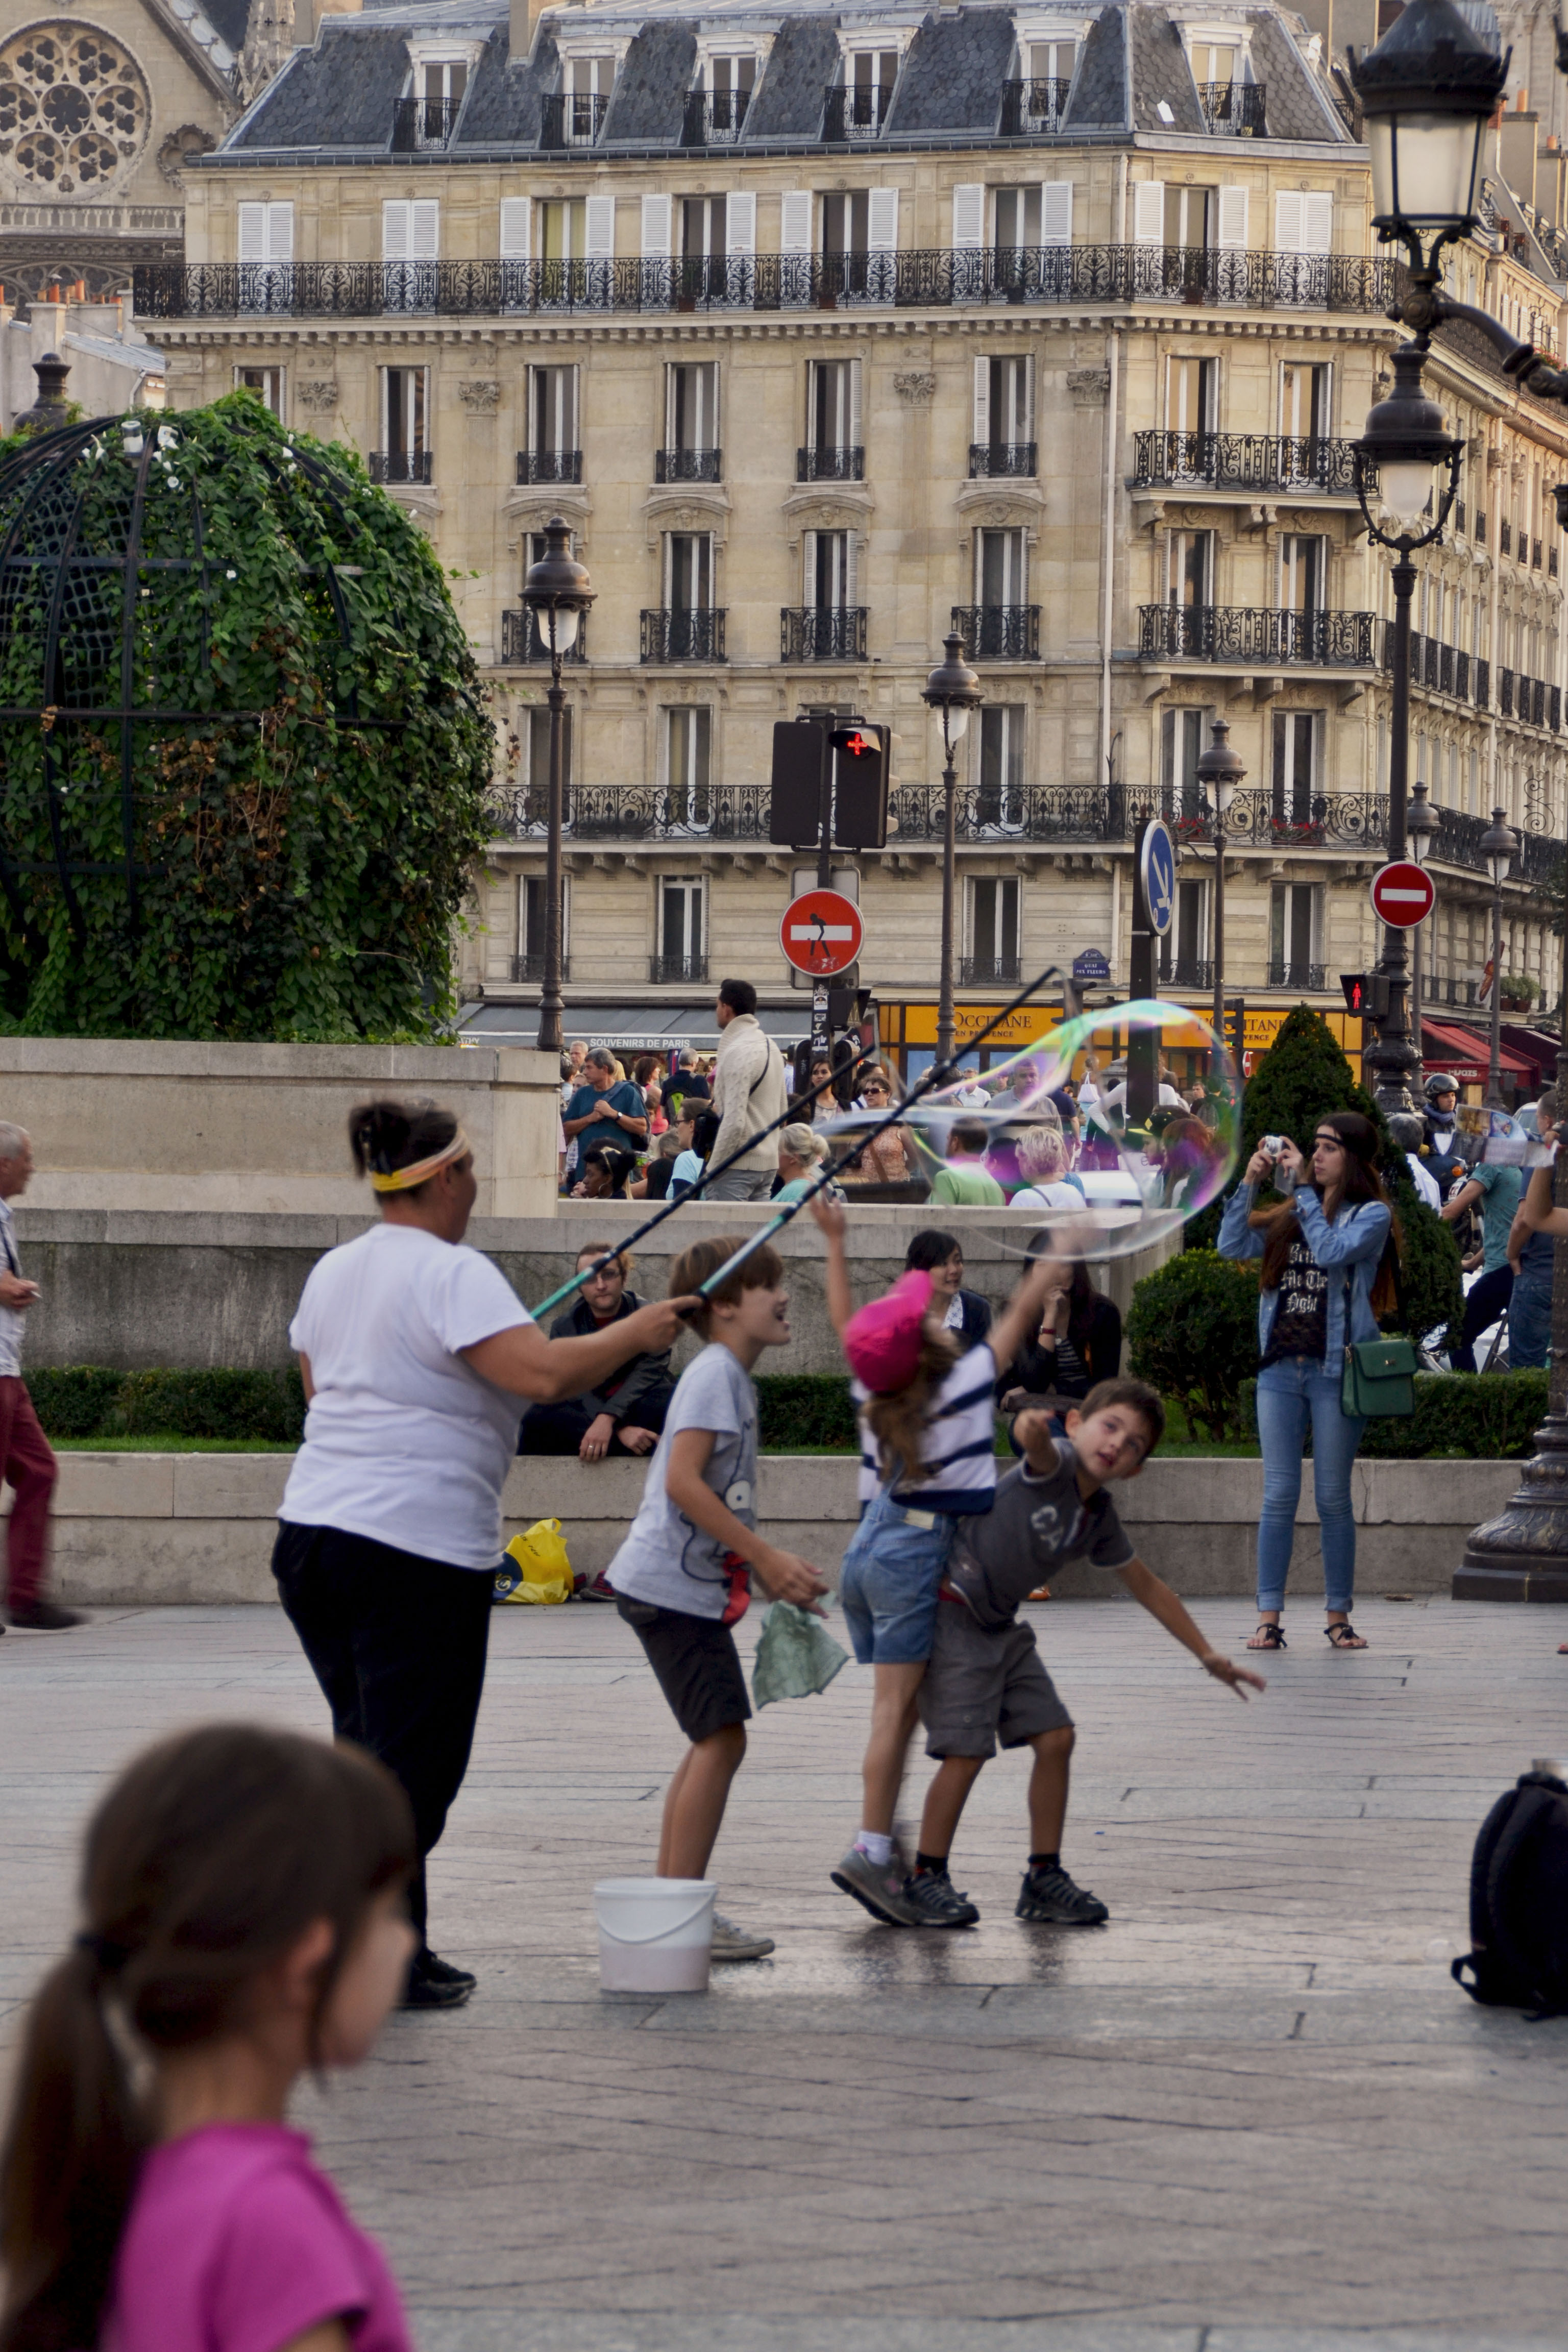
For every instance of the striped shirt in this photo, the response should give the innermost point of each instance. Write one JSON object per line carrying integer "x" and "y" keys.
{"x": 960, "y": 1449}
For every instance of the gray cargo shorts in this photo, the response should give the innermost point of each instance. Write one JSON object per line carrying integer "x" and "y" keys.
{"x": 985, "y": 1684}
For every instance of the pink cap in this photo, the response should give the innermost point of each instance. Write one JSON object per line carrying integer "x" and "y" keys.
{"x": 882, "y": 1341}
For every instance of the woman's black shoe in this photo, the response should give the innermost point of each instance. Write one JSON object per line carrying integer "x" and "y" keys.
{"x": 434, "y": 1984}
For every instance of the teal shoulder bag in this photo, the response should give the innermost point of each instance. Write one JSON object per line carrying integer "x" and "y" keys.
{"x": 1379, "y": 1378}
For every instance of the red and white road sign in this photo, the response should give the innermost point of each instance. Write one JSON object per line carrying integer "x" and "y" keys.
{"x": 821, "y": 932}
{"x": 1402, "y": 894}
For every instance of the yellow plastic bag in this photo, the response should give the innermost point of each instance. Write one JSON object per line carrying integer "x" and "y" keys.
{"x": 543, "y": 1573}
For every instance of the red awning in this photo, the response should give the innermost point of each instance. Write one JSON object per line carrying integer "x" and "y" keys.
{"x": 1536, "y": 1047}
{"x": 1464, "y": 1054}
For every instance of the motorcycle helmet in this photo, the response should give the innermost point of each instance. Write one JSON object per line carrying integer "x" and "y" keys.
{"x": 1440, "y": 1083}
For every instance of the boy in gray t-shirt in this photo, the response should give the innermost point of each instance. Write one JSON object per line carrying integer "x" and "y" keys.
{"x": 986, "y": 1679}
{"x": 683, "y": 1575}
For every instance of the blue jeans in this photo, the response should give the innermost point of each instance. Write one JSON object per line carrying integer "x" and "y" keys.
{"x": 1530, "y": 1308}
{"x": 1287, "y": 1393}
{"x": 888, "y": 1583}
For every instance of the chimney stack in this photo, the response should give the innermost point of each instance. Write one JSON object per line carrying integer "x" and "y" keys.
{"x": 525, "y": 16}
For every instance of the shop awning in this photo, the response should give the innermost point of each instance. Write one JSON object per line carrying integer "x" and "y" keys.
{"x": 1464, "y": 1054}
{"x": 1536, "y": 1047}
{"x": 629, "y": 1029}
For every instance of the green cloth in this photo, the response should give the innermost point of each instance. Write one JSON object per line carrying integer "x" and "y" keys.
{"x": 796, "y": 1655}
{"x": 967, "y": 1187}
{"x": 1500, "y": 1190}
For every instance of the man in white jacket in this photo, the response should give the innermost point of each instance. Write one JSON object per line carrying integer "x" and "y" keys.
{"x": 750, "y": 1091}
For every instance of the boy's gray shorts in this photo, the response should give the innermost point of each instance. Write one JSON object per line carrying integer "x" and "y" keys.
{"x": 985, "y": 1684}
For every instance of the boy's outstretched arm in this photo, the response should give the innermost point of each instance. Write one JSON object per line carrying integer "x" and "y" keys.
{"x": 1160, "y": 1601}
{"x": 833, "y": 1222}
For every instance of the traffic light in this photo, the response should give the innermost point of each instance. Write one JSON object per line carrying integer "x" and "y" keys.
{"x": 860, "y": 762}
{"x": 800, "y": 756}
{"x": 1367, "y": 993}
{"x": 1354, "y": 986}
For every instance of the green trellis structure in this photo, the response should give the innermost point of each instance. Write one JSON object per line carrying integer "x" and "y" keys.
{"x": 244, "y": 748}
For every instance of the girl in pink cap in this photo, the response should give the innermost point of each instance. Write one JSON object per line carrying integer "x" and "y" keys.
{"x": 927, "y": 1458}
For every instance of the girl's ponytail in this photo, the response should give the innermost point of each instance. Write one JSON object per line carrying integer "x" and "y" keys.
{"x": 68, "y": 2165}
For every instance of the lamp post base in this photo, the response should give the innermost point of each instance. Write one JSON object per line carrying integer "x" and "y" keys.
{"x": 1523, "y": 1555}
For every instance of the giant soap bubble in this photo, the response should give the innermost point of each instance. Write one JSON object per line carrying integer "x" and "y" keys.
{"x": 1127, "y": 1183}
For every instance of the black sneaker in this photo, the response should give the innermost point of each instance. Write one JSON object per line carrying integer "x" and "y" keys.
{"x": 1050, "y": 1899}
{"x": 427, "y": 1988}
{"x": 442, "y": 1971}
{"x": 44, "y": 1617}
{"x": 937, "y": 1902}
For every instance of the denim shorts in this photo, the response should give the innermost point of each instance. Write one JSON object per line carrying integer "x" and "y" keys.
{"x": 891, "y": 1571}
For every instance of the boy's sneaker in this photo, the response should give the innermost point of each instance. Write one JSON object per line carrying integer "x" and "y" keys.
{"x": 880, "y": 1886}
{"x": 732, "y": 1943}
{"x": 1050, "y": 1899}
{"x": 936, "y": 1901}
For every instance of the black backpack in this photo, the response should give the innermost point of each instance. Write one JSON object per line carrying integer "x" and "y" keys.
{"x": 1519, "y": 1901}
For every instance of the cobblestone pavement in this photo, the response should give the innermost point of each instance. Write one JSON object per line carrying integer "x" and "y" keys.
{"x": 1251, "y": 2115}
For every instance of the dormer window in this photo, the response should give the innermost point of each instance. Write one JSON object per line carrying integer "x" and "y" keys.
{"x": 438, "y": 82}
{"x": 716, "y": 109}
{"x": 860, "y": 107}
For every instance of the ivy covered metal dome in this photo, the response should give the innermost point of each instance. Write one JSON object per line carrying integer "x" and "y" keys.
{"x": 243, "y": 744}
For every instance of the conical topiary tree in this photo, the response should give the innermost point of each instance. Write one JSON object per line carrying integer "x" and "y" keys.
{"x": 1304, "y": 1073}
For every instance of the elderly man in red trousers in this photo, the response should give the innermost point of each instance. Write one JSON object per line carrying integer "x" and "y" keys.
{"x": 28, "y": 1464}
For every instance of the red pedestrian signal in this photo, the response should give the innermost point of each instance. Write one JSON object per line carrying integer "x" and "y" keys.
{"x": 851, "y": 743}
{"x": 1354, "y": 986}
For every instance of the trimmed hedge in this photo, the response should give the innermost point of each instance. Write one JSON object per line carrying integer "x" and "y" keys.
{"x": 796, "y": 1409}
{"x": 87, "y": 1400}
{"x": 1192, "y": 1334}
{"x": 1473, "y": 1416}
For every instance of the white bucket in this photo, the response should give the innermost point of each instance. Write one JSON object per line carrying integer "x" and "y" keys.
{"x": 655, "y": 1933}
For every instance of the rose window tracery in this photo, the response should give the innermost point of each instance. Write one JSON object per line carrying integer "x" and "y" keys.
{"x": 74, "y": 109}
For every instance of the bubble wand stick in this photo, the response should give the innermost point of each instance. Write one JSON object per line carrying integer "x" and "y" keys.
{"x": 940, "y": 1074}
{"x": 556, "y": 1297}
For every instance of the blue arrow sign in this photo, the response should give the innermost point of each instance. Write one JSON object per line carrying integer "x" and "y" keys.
{"x": 1157, "y": 870}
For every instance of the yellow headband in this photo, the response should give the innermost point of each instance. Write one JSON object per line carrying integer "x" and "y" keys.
{"x": 403, "y": 1180}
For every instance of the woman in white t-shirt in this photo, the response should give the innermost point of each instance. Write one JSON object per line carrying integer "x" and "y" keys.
{"x": 417, "y": 1359}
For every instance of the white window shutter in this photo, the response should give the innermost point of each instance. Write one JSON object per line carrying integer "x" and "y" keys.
{"x": 794, "y": 221}
{"x": 969, "y": 215}
{"x": 980, "y": 431}
{"x": 1316, "y": 222}
{"x": 599, "y": 228}
{"x": 1148, "y": 212}
{"x": 1056, "y": 212}
{"x": 427, "y": 230}
{"x": 1288, "y": 221}
{"x": 253, "y": 233}
{"x": 1232, "y": 216}
{"x": 854, "y": 403}
{"x": 281, "y": 232}
{"x": 656, "y": 212}
{"x": 394, "y": 231}
{"x": 741, "y": 221}
{"x": 882, "y": 221}
{"x": 514, "y": 227}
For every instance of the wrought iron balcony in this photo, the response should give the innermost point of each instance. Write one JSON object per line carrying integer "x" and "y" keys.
{"x": 1249, "y": 632}
{"x": 834, "y": 462}
{"x": 637, "y": 812}
{"x": 399, "y": 465}
{"x": 688, "y": 465}
{"x": 1234, "y": 108}
{"x": 674, "y": 633}
{"x": 1034, "y": 109}
{"x": 918, "y": 277}
{"x": 670, "y": 970}
{"x": 549, "y": 466}
{"x": 1530, "y": 700}
{"x": 854, "y": 113}
{"x": 531, "y": 967}
{"x": 521, "y": 640}
{"x": 570, "y": 118}
{"x": 714, "y": 117}
{"x": 989, "y": 972}
{"x": 1244, "y": 461}
{"x": 1297, "y": 975}
{"x": 996, "y": 458}
{"x": 1438, "y": 668}
{"x": 822, "y": 633}
{"x": 999, "y": 632}
{"x": 419, "y": 122}
{"x": 1186, "y": 971}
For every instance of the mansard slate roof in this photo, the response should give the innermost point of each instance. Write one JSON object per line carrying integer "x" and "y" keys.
{"x": 1133, "y": 74}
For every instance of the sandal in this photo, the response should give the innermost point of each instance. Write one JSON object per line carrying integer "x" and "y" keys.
{"x": 1344, "y": 1636}
{"x": 1269, "y": 1637}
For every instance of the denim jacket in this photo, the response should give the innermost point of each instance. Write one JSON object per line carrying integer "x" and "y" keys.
{"x": 1354, "y": 1241}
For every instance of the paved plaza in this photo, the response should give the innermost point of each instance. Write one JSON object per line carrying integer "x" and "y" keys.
{"x": 1251, "y": 2115}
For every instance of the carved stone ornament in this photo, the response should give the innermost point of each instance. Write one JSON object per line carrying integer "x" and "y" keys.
{"x": 481, "y": 393}
{"x": 182, "y": 147}
{"x": 915, "y": 388}
{"x": 1089, "y": 387}
{"x": 320, "y": 393}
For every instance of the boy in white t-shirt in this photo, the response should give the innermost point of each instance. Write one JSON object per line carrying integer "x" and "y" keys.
{"x": 683, "y": 1574}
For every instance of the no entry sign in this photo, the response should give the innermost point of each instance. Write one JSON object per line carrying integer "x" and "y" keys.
{"x": 1402, "y": 894}
{"x": 821, "y": 933}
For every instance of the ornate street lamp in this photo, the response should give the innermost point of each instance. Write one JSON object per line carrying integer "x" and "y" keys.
{"x": 1219, "y": 770}
{"x": 953, "y": 691}
{"x": 556, "y": 592}
{"x": 1420, "y": 824}
{"x": 1498, "y": 846}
